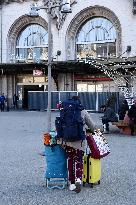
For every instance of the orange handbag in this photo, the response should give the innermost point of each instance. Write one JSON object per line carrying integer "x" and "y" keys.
{"x": 47, "y": 138}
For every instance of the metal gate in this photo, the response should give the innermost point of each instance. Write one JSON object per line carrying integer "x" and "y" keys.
{"x": 38, "y": 100}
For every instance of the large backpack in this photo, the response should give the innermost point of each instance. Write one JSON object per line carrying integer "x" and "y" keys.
{"x": 69, "y": 125}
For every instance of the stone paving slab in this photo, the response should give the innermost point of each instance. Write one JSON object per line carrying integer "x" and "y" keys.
{"x": 22, "y": 168}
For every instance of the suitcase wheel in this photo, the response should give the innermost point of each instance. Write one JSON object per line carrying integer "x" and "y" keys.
{"x": 91, "y": 185}
{"x": 59, "y": 184}
{"x": 45, "y": 182}
{"x": 99, "y": 182}
{"x": 83, "y": 183}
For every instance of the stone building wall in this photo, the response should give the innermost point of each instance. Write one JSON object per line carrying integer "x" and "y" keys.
{"x": 108, "y": 9}
{"x": 14, "y": 19}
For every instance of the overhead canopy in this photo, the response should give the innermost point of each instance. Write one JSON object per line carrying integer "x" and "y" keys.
{"x": 119, "y": 64}
{"x": 57, "y": 67}
{"x": 82, "y": 66}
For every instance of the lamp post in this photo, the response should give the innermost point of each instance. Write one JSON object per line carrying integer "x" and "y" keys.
{"x": 64, "y": 7}
{"x": 49, "y": 71}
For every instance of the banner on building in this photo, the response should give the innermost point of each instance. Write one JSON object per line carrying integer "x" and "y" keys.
{"x": 37, "y": 72}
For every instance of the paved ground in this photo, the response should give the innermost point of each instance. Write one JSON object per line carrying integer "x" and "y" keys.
{"x": 22, "y": 169}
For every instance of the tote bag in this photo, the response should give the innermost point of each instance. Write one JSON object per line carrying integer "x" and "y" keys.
{"x": 98, "y": 145}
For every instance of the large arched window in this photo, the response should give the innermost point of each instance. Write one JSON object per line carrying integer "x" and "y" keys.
{"x": 32, "y": 44}
{"x": 96, "y": 38}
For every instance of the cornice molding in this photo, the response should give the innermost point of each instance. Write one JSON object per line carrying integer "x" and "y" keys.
{"x": 17, "y": 1}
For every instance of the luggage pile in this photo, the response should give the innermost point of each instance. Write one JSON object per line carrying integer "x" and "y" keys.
{"x": 57, "y": 160}
{"x": 68, "y": 161}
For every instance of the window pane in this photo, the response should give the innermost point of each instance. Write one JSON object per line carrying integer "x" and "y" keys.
{"x": 96, "y": 38}
{"x": 96, "y": 50}
{"x": 33, "y": 35}
{"x": 99, "y": 88}
{"x": 91, "y": 88}
{"x": 97, "y": 29}
{"x": 81, "y": 87}
{"x": 32, "y": 43}
{"x": 112, "y": 49}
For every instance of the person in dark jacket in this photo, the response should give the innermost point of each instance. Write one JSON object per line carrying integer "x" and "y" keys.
{"x": 122, "y": 110}
{"x": 2, "y": 102}
{"x": 15, "y": 101}
{"x": 132, "y": 116}
{"x": 109, "y": 116}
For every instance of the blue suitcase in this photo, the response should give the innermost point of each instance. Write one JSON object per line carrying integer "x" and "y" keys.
{"x": 56, "y": 167}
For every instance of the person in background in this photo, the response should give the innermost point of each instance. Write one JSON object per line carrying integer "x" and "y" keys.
{"x": 109, "y": 116}
{"x": 122, "y": 109}
{"x": 2, "y": 102}
{"x": 15, "y": 101}
{"x": 111, "y": 101}
{"x": 132, "y": 117}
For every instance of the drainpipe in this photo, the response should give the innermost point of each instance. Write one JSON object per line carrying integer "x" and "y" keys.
{"x": 1, "y": 33}
{"x": 0, "y": 42}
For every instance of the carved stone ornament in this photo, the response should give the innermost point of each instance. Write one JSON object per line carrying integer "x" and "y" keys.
{"x": 55, "y": 11}
{"x": 56, "y": 14}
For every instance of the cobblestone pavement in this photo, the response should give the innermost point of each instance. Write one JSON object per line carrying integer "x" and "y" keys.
{"x": 22, "y": 168}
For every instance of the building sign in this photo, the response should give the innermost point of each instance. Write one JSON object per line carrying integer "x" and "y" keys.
{"x": 37, "y": 72}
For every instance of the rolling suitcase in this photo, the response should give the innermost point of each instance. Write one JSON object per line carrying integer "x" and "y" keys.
{"x": 56, "y": 167}
{"x": 91, "y": 170}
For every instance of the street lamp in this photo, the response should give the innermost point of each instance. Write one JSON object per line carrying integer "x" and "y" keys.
{"x": 64, "y": 7}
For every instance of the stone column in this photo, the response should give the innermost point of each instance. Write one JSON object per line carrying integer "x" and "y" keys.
{"x": 61, "y": 79}
{"x": 4, "y": 84}
{"x": 65, "y": 82}
{"x": 69, "y": 82}
{"x": 10, "y": 89}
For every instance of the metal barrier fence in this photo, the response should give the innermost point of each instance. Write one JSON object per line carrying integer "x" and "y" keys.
{"x": 37, "y": 100}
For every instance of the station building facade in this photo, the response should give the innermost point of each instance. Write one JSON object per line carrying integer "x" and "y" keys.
{"x": 99, "y": 29}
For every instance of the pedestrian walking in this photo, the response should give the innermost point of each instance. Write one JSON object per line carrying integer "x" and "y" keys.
{"x": 2, "y": 102}
{"x": 15, "y": 101}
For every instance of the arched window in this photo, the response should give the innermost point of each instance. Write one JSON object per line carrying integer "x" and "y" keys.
{"x": 96, "y": 38}
{"x": 32, "y": 44}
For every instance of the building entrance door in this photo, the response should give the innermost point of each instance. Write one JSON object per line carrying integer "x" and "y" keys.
{"x": 22, "y": 91}
{"x": 30, "y": 88}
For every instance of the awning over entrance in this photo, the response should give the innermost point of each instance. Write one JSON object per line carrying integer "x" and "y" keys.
{"x": 82, "y": 66}
{"x": 57, "y": 67}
